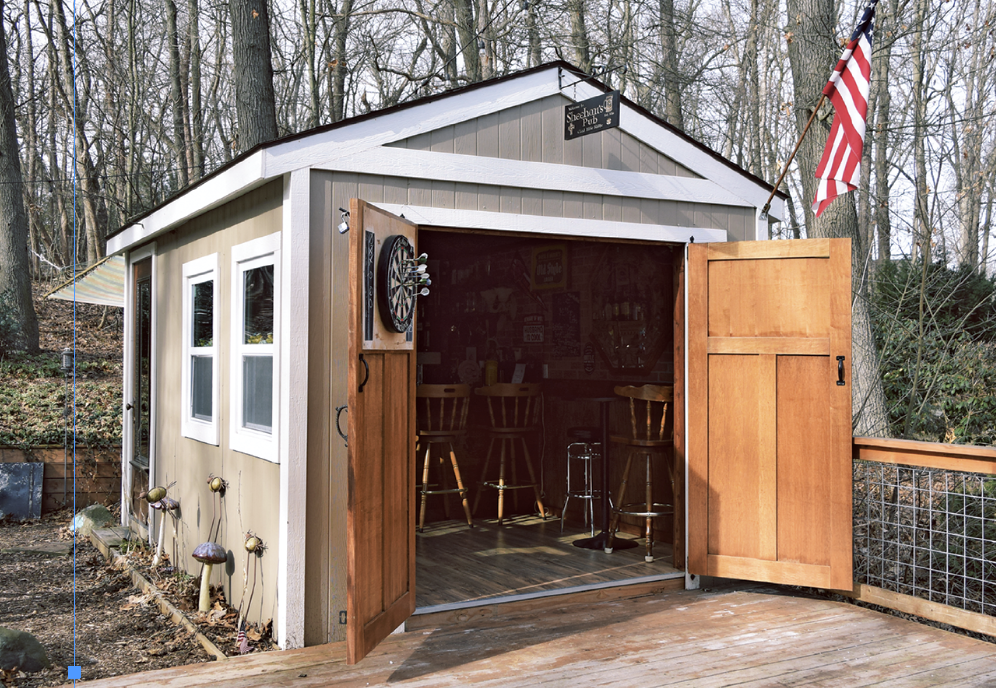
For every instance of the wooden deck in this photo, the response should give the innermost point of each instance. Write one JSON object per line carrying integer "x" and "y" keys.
{"x": 526, "y": 555}
{"x": 745, "y": 637}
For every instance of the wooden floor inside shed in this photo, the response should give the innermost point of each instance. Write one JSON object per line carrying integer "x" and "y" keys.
{"x": 746, "y": 637}
{"x": 526, "y": 555}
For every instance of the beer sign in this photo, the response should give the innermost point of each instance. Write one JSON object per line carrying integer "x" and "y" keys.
{"x": 591, "y": 116}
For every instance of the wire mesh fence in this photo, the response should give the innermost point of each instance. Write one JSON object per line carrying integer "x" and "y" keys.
{"x": 926, "y": 532}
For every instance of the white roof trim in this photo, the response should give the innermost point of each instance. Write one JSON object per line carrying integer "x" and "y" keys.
{"x": 230, "y": 184}
{"x": 689, "y": 155}
{"x": 322, "y": 149}
{"x": 450, "y": 167}
{"x": 568, "y": 226}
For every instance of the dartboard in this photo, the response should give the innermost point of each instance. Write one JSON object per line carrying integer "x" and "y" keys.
{"x": 395, "y": 293}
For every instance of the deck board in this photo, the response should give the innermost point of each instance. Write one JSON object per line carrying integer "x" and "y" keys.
{"x": 455, "y": 563}
{"x": 752, "y": 636}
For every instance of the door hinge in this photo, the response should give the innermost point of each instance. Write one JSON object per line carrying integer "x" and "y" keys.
{"x": 342, "y": 617}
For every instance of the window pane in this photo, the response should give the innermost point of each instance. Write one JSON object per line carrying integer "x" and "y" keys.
{"x": 200, "y": 387}
{"x": 259, "y": 305}
{"x": 257, "y": 393}
{"x": 203, "y": 326}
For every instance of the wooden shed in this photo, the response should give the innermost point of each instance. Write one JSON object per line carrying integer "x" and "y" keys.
{"x": 259, "y": 322}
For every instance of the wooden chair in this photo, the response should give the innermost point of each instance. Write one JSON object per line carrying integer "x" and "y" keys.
{"x": 441, "y": 419}
{"x": 647, "y": 414}
{"x": 516, "y": 417}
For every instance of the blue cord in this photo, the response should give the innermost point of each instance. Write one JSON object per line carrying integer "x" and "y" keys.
{"x": 75, "y": 669}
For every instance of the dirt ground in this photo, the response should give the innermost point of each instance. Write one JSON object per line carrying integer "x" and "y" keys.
{"x": 117, "y": 631}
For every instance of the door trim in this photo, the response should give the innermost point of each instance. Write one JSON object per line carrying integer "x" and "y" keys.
{"x": 127, "y": 453}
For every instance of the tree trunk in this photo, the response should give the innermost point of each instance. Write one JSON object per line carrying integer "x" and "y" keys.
{"x": 534, "y": 56}
{"x": 579, "y": 35}
{"x": 176, "y": 95}
{"x": 812, "y": 56}
{"x": 15, "y": 278}
{"x": 339, "y": 62}
{"x": 669, "y": 66}
{"x": 882, "y": 61}
{"x": 464, "y": 10}
{"x": 255, "y": 104}
{"x": 310, "y": 37}
{"x": 196, "y": 111}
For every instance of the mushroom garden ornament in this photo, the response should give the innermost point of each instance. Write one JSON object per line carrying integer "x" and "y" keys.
{"x": 166, "y": 504}
{"x": 208, "y": 553}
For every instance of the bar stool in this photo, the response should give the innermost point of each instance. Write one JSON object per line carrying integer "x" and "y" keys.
{"x": 441, "y": 419}
{"x": 584, "y": 447}
{"x": 517, "y": 417}
{"x": 646, "y": 441}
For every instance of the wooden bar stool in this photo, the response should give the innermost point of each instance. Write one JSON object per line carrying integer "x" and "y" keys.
{"x": 517, "y": 417}
{"x": 441, "y": 418}
{"x": 647, "y": 440}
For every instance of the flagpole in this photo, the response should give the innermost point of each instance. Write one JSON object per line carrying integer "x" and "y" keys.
{"x": 767, "y": 204}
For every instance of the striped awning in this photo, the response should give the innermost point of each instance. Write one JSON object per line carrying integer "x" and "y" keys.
{"x": 102, "y": 283}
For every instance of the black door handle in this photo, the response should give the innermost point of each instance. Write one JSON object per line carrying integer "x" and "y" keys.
{"x": 338, "y": 428}
{"x": 840, "y": 371}
{"x": 366, "y": 378}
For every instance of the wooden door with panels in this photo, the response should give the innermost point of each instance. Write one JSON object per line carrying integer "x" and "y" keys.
{"x": 380, "y": 519}
{"x": 769, "y": 411}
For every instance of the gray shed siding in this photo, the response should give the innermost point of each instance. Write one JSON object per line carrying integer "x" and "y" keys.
{"x": 535, "y": 132}
{"x": 737, "y": 221}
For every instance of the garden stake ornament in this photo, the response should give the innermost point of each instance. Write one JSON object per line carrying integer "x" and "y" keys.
{"x": 218, "y": 486}
{"x": 170, "y": 506}
{"x": 156, "y": 498}
{"x": 254, "y": 550}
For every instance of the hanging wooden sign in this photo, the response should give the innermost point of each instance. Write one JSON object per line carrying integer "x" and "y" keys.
{"x": 591, "y": 116}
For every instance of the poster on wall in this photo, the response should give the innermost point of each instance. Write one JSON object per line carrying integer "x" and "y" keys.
{"x": 565, "y": 326}
{"x": 549, "y": 267}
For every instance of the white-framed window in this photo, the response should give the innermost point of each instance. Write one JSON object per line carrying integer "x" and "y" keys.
{"x": 200, "y": 350}
{"x": 254, "y": 361}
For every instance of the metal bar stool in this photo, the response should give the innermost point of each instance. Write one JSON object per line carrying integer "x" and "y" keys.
{"x": 516, "y": 419}
{"x": 441, "y": 418}
{"x": 584, "y": 447}
{"x": 647, "y": 441}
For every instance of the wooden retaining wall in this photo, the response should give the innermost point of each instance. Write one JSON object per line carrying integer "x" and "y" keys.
{"x": 97, "y": 475}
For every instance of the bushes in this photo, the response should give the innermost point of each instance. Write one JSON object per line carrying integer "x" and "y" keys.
{"x": 950, "y": 396}
{"x": 33, "y": 398}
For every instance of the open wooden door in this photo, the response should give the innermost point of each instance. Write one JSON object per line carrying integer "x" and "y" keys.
{"x": 380, "y": 520}
{"x": 769, "y": 411}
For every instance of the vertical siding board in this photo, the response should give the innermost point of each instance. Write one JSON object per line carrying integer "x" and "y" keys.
{"x": 667, "y": 213}
{"x": 441, "y": 140}
{"x": 420, "y": 142}
{"x": 395, "y": 190}
{"x": 419, "y": 192}
{"x": 509, "y": 145}
{"x": 630, "y": 155}
{"x": 465, "y": 138}
{"x": 553, "y": 130}
{"x": 344, "y": 187}
{"x": 685, "y": 214}
{"x": 574, "y": 151}
{"x": 612, "y": 149}
{"x": 370, "y": 188}
{"x": 591, "y": 150}
{"x": 648, "y": 159}
{"x": 532, "y": 202}
{"x": 631, "y": 210}
{"x": 487, "y": 136}
{"x": 612, "y": 208}
{"x": 666, "y": 165}
{"x": 648, "y": 211}
{"x": 685, "y": 172}
{"x": 488, "y": 198}
{"x": 553, "y": 203}
{"x": 443, "y": 194}
{"x": 531, "y": 131}
{"x": 573, "y": 204}
{"x": 465, "y": 196}
{"x": 592, "y": 206}
{"x": 511, "y": 200}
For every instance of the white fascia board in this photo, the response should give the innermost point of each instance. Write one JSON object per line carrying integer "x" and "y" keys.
{"x": 231, "y": 183}
{"x": 450, "y": 167}
{"x": 293, "y": 408}
{"x": 561, "y": 226}
{"x": 689, "y": 155}
{"x": 323, "y": 148}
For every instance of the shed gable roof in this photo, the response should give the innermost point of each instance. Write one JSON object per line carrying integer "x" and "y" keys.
{"x": 323, "y": 146}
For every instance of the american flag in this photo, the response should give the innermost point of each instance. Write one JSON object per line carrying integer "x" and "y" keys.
{"x": 241, "y": 641}
{"x": 847, "y": 89}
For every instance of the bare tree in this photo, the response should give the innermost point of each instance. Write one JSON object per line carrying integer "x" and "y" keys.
{"x": 253, "y": 73}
